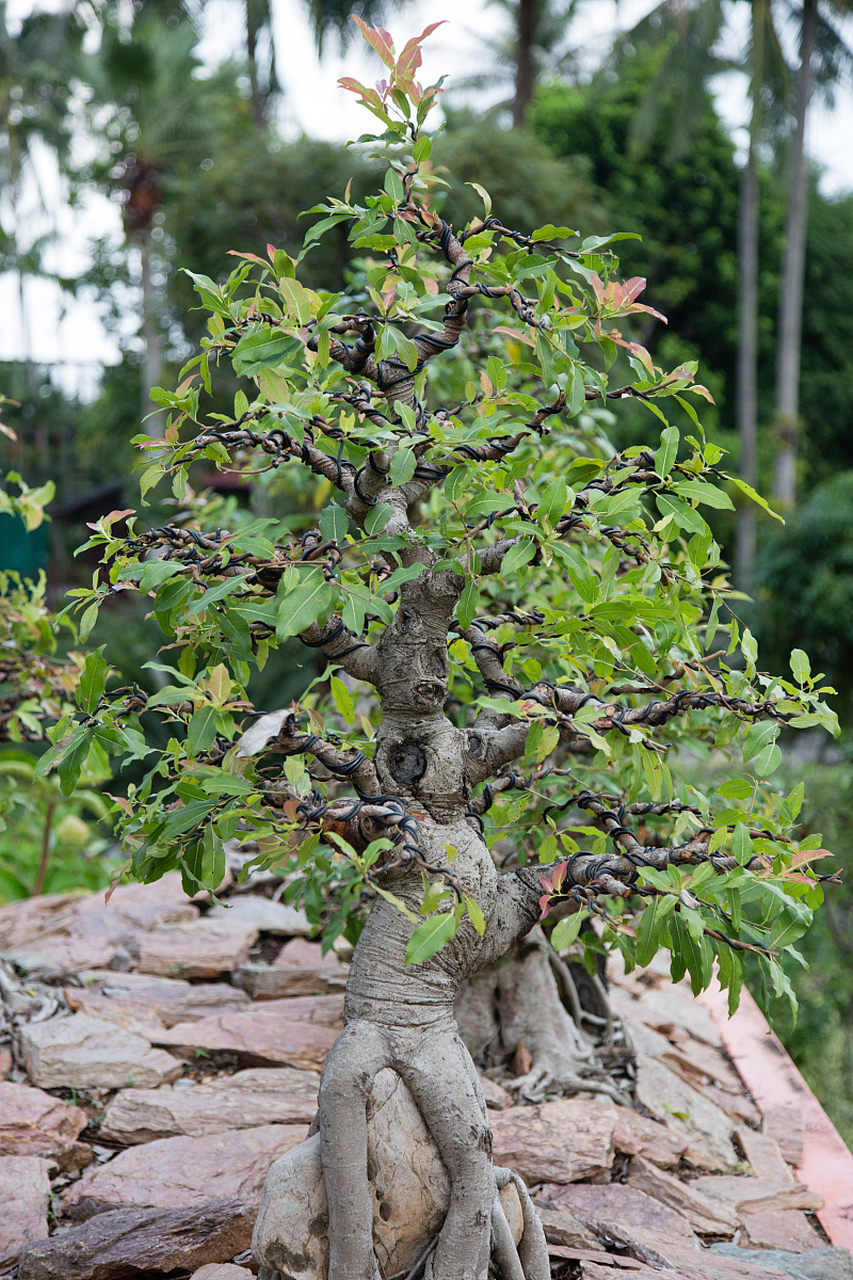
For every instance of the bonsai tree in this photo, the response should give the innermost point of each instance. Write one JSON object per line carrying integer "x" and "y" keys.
{"x": 513, "y": 623}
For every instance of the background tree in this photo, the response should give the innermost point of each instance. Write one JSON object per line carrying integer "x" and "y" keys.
{"x": 480, "y": 535}
{"x": 819, "y": 43}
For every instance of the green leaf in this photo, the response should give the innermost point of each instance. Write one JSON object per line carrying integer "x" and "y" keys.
{"x": 553, "y": 502}
{"x": 430, "y": 937}
{"x": 377, "y": 518}
{"x": 399, "y": 576}
{"x": 260, "y": 350}
{"x": 668, "y": 451}
{"x": 93, "y": 681}
{"x": 212, "y": 594}
{"x": 518, "y": 555}
{"x": 767, "y": 761}
{"x": 565, "y": 931}
{"x": 296, "y": 299}
{"x": 709, "y": 494}
{"x": 735, "y": 789}
{"x": 742, "y": 847}
{"x": 403, "y": 466}
{"x": 71, "y": 765}
{"x": 475, "y": 915}
{"x": 550, "y": 232}
{"x": 800, "y": 666}
{"x": 334, "y": 523}
{"x": 466, "y": 610}
{"x": 756, "y": 497}
{"x": 201, "y": 732}
{"x": 758, "y": 736}
{"x": 303, "y": 606}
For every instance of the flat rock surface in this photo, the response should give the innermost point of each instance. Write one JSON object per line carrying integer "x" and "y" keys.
{"x": 133, "y": 1242}
{"x": 562, "y": 1227}
{"x": 755, "y": 1195}
{"x": 267, "y": 982}
{"x": 637, "y": 1135}
{"x": 596, "y": 1206}
{"x": 34, "y": 1123}
{"x": 222, "y": 1271}
{"x": 787, "y": 1126}
{"x": 787, "y": 1229}
{"x": 706, "y": 1216}
{"x": 262, "y": 914}
{"x": 260, "y": 1036}
{"x": 183, "y": 1172}
{"x": 195, "y": 951}
{"x": 24, "y": 1197}
{"x": 81, "y": 1052}
{"x": 144, "y": 1000}
{"x": 814, "y": 1264}
{"x": 555, "y": 1141}
{"x": 247, "y": 1099}
{"x": 670, "y": 1099}
{"x": 667, "y": 1253}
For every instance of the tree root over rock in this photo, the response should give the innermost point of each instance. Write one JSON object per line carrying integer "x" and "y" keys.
{"x": 519, "y": 1002}
{"x": 410, "y": 1190}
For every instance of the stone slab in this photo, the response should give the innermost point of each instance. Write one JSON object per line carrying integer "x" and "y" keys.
{"x": 145, "y": 1000}
{"x": 812, "y": 1264}
{"x": 247, "y": 1099}
{"x": 88, "y": 1053}
{"x": 139, "y": 1242}
{"x": 24, "y": 1198}
{"x": 259, "y": 1037}
{"x": 222, "y": 1271}
{"x": 202, "y": 951}
{"x": 554, "y": 1141}
{"x": 597, "y": 1206}
{"x": 666, "y": 1253}
{"x": 764, "y": 1156}
{"x": 183, "y": 1172}
{"x": 787, "y": 1126}
{"x": 788, "y": 1229}
{"x": 706, "y": 1216}
{"x": 670, "y": 1099}
{"x": 637, "y": 1135}
{"x": 261, "y": 913}
{"x": 562, "y": 1227}
{"x": 755, "y": 1195}
{"x": 266, "y": 982}
{"x": 34, "y": 1123}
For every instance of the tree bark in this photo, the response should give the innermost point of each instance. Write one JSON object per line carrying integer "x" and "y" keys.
{"x": 747, "y": 354}
{"x": 258, "y": 106}
{"x": 152, "y": 360}
{"x": 524, "y": 70}
{"x": 793, "y": 270}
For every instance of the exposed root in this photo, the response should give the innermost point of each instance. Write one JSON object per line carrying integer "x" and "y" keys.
{"x": 532, "y": 1000}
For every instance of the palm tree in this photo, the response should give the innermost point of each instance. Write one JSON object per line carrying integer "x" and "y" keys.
{"x": 161, "y": 118}
{"x": 693, "y": 26}
{"x": 823, "y": 56}
{"x": 35, "y": 101}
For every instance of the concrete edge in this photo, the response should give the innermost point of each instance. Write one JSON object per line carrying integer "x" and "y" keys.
{"x": 773, "y": 1080}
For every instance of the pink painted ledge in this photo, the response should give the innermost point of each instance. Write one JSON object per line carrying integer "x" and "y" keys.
{"x": 774, "y": 1081}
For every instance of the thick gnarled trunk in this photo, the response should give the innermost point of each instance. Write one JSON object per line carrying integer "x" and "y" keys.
{"x": 402, "y": 1017}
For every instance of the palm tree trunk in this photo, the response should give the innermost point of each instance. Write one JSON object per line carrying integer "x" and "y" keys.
{"x": 152, "y": 361}
{"x": 791, "y": 283}
{"x": 524, "y": 70}
{"x": 747, "y": 359}
{"x": 258, "y": 106}
{"x": 747, "y": 353}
